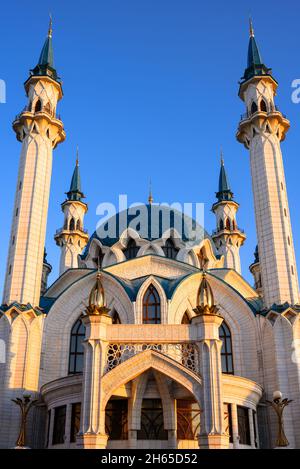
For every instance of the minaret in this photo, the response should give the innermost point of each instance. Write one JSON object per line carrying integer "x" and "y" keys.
{"x": 39, "y": 130}
{"x": 47, "y": 269}
{"x": 72, "y": 238}
{"x": 228, "y": 237}
{"x": 261, "y": 130}
{"x": 255, "y": 271}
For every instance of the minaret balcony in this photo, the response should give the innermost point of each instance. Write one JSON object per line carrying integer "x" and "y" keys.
{"x": 237, "y": 230}
{"x": 65, "y": 231}
{"x": 277, "y": 122}
{"x": 45, "y": 119}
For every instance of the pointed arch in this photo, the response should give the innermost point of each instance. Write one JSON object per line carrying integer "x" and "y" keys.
{"x": 263, "y": 105}
{"x": 150, "y": 359}
{"x": 170, "y": 250}
{"x": 185, "y": 318}
{"x": 38, "y": 106}
{"x": 151, "y": 306}
{"x": 72, "y": 224}
{"x": 254, "y": 107}
{"x": 131, "y": 250}
{"x": 115, "y": 317}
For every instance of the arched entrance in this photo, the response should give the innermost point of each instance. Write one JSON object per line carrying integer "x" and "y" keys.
{"x": 154, "y": 404}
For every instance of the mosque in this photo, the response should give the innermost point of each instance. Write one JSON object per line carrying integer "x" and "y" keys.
{"x": 150, "y": 341}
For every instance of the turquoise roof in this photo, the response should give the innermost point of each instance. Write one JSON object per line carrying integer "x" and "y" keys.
{"x": 224, "y": 192}
{"x": 255, "y": 65}
{"x": 45, "y": 65}
{"x": 75, "y": 192}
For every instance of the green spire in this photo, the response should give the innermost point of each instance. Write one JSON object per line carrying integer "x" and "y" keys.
{"x": 45, "y": 66}
{"x": 224, "y": 192}
{"x": 75, "y": 187}
{"x": 255, "y": 65}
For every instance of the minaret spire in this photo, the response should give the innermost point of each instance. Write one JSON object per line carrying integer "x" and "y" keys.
{"x": 75, "y": 192}
{"x": 228, "y": 237}
{"x": 150, "y": 197}
{"x": 255, "y": 65}
{"x": 224, "y": 192}
{"x": 251, "y": 29}
{"x": 50, "y": 30}
{"x": 72, "y": 238}
{"x": 45, "y": 65}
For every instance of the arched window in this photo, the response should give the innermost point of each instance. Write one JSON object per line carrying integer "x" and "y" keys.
{"x": 152, "y": 421}
{"x": 185, "y": 319}
{"x": 227, "y": 224}
{"x": 78, "y": 225}
{"x": 170, "y": 249}
{"x": 115, "y": 318}
{"x": 131, "y": 250}
{"x": 254, "y": 108}
{"x": 76, "y": 347}
{"x": 38, "y": 106}
{"x": 263, "y": 106}
{"x": 221, "y": 225}
{"x": 151, "y": 307}
{"x": 226, "y": 351}
{"x": 72, "y": 224}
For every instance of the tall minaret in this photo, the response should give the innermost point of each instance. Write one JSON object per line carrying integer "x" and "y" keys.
{"x": 261, "y": 130}
{"x": 40, "y": 131}
{"x": 72, "y": 238}
{"x": 228, "y": 237}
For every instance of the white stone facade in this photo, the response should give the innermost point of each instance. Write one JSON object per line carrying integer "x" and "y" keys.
{"x": 144, "y": 358}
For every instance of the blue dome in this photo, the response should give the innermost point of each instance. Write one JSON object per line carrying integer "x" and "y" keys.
{"x": 151, "y": 222}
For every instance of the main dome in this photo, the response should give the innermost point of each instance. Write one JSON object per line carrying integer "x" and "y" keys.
{"x": 150, "y": 222}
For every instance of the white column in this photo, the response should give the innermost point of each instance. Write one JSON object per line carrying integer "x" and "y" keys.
{"x": 251, "y": 426}
{"x": 235, "y": 426}
{"x": 212, "y": 433}
{"x": 92, "y": 433}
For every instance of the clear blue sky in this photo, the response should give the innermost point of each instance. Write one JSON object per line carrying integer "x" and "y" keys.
{"x": 150, "y": 88}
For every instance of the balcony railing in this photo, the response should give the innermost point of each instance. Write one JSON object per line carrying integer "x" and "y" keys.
{"x": 184, "y": 353}
{"x": 60, "y": 230}
{"x": 248, "y": 115}
{"x": 230, "y": 229}
{"x": 27, "y": 109}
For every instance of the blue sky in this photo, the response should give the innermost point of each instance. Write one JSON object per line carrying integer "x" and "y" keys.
{"x": 150, "y": 89}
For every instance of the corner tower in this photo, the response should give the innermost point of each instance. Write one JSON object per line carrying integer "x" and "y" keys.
{"x": 261, "y": 130}
{"x": 39, "y": 130}
{"x": 72, "y": 238}
{"x": 228, "y": 237}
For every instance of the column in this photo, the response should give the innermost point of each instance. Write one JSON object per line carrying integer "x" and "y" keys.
{"x": 212, "y": 435}
{"x": 92, "y": 433}
{"x": 251, "y": 426}
{"x": 235, "y": 426}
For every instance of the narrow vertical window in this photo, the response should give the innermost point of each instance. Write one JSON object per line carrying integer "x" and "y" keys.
{"x": 226, "y": 351}
{"x": 151, "y": 306}
{"x": 76, "y": 348}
